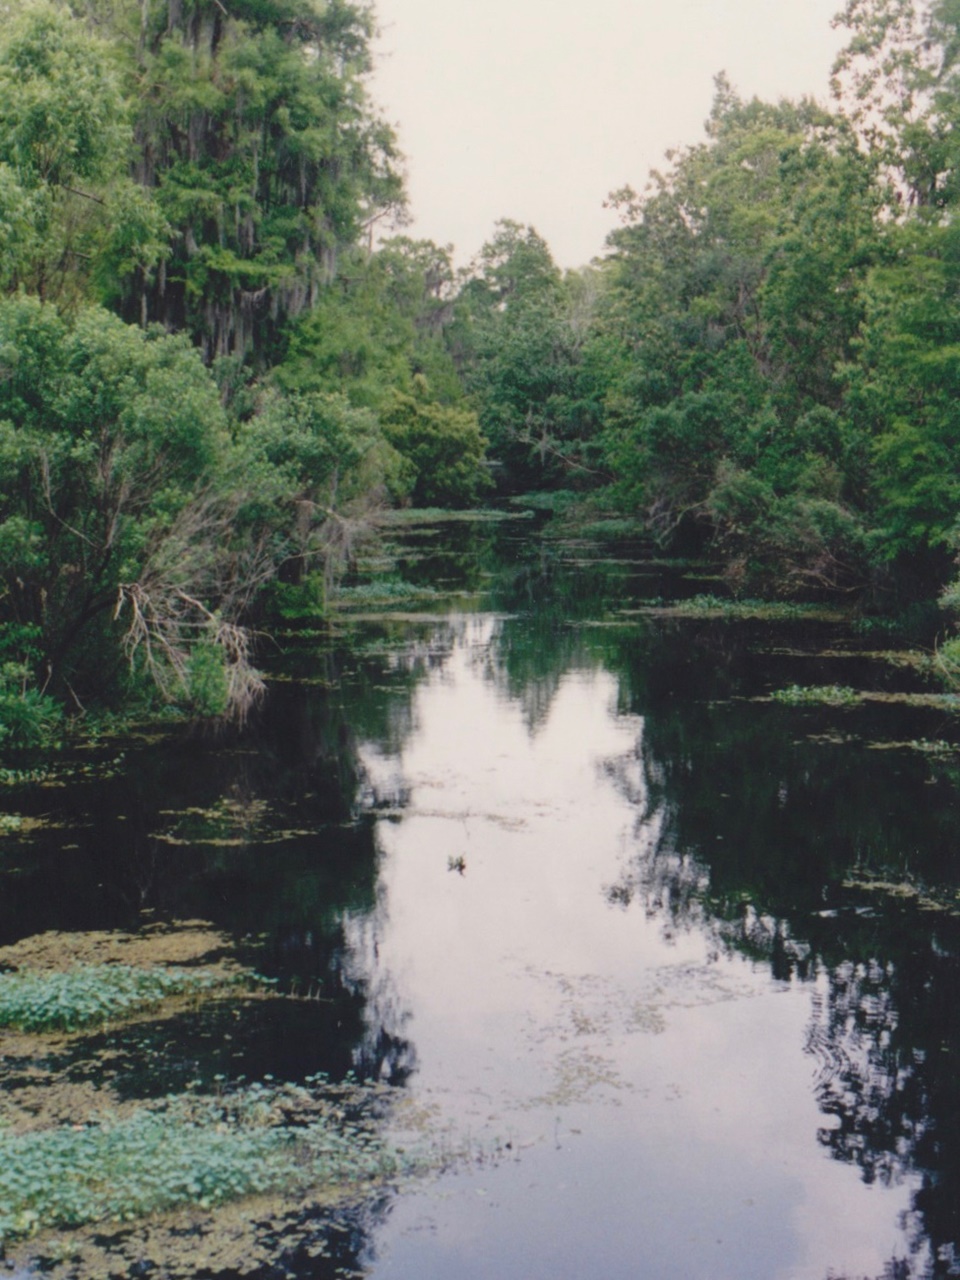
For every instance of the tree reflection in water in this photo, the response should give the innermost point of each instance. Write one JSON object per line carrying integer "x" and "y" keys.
{"x": 807, "y": 858}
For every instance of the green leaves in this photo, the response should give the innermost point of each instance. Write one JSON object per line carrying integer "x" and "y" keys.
{"x": 91, "y": 994}
{"x": 62, "y": 119}
{"x": 442, "y": 446}
{"x": 111, "y": 440}
{"x": 194, "y": 1150}
{"x": 518, "y": 337}
{"x": 266, "y": 159}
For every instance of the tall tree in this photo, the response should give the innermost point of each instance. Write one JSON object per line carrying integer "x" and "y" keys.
{"x": 256, "y": 137}
{"x": 69, "y": 211}
{"x": 732, "y": 298}
{"x": 518, "y": 337}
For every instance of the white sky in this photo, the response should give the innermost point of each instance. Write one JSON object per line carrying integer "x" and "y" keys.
{"x": 536, "y": 109}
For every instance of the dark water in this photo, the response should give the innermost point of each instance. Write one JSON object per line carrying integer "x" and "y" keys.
{"x": 679, "y": 967}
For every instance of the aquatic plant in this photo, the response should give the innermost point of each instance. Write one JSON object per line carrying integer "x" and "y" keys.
{"x": 193, "y": 1150}
{"x": 88, "y": 994}
{"x": 706, "y": 602}
{"x": 935, "y": 747}
{"x": 382, "y": 589}
{"x": 828, "y": 695}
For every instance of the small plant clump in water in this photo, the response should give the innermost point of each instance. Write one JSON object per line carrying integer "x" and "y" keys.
{"x": 88, "y": 994}
{"x": 194, "y": 1150}
{"x": 382, "y": 590}
{"x": 707, "y": 605}
{"x": 827, "y": 695}
{"x": 935, "y": 747}
{"x": 774, "y": 609}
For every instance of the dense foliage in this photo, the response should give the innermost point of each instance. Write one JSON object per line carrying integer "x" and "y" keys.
{"x": 763, "y": 363}
{"x": 208, "y": 378}
{"x": 210, "y": 375}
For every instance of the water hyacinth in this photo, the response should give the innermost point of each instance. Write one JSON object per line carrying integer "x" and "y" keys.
{"x": 191, "y": 1150}
{"x": 90, "y": 994}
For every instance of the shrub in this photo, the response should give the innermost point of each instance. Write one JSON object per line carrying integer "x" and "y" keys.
{"x": 207, "y": 681}
{"x": 28, "y": 718}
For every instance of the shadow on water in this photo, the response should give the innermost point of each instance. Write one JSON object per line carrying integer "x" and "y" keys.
{"x": 792, "y": 837}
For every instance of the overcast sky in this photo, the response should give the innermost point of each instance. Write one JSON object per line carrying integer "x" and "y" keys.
{"x": 536, "y": 109}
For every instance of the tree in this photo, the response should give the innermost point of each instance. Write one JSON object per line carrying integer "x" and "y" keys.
{"x": 441, "y": 445}
{"x": 732, "y": 299}
{"x": 68, "y": 210}
{"x": 256, "y": 138}
{"x": 116, "y": 535}
{"x": 517, "y": 339}
{"x": 377, "y": 326}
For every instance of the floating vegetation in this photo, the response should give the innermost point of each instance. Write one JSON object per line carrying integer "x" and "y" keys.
{"x": 62, "y": 773}
{"x": 935, "y": 747}
{"x": 826, "y": 695}
{"x": 612, "y": 527}
{"x": 18, "y": 777}
{"x": 196, "y": 1150}
{"x": 183, "y": 942}
{"x": 552, "y": 500}
{"x": 230, "y": 823}
{"x": 31, "y": 1000}
{"x": 712, "y": 606}
{"x": 939, "y": 701}
{"x": 440, "y": 515}
{"x": 706, "y": 602}
{"x": 921, "y": 896}
{"x": 905, "y": 659}
{"x": 382, "y": 591}
{"x": 834, "y": 739}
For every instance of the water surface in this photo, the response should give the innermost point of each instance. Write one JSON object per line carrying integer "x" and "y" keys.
{"x": 673, "y": 966}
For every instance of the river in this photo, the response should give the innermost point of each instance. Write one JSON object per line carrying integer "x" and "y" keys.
{"x": 671, "y": 965}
